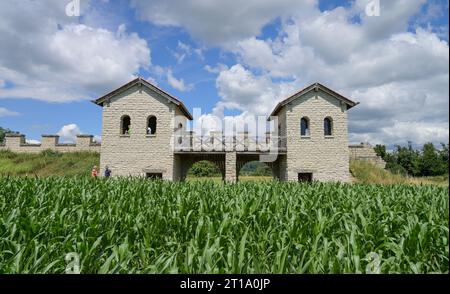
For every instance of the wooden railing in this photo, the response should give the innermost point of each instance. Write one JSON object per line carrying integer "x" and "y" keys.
{"x": 192, "y": 143}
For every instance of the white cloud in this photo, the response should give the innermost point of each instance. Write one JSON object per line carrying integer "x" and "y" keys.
{"x": 185, "y": 50}
{"x": 215, "y": 69}
{"x": 402, "y": 132}
{"x": 97, "y": 138}
{"x": 240, "y": 89}
{"x": 45, "y": 56}
{"x": 6, "y": 112}
{"x": 215, "y": 22}
{"x": 152, "y": 81}
{"x": 394, "y": 17}
{"x": 68, "y": 133}
{"x": 231, "y": 125}
{"x": 399, "y": 77}
{"x": 178, "y": 84}
{"x": 2, "y": 83}
{"x": 32, "y": 141}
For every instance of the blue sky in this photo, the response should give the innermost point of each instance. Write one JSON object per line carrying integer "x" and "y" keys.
{"x": 229, "y": 59}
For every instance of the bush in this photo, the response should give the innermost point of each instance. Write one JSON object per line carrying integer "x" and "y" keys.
{"x": 204, "y": 168}
{"x": 429, "y": 161}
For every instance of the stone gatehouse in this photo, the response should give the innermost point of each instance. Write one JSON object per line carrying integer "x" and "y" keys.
{"x": 145, "y": 134}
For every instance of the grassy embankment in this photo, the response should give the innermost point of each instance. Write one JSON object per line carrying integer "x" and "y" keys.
{"x": 80, "y": 163}
{"x": 368, "y": 173}
{"x": 47, "y": 163}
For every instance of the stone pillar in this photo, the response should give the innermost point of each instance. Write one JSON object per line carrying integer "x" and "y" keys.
{"x": 49, "y": 141}
{"x": 84, "y": 141}
{"x": 13, "y": 141}
{"x": 230, "y": 167}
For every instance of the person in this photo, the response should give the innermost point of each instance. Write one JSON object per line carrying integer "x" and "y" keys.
{"x": 94, "y": 172}
{"x": 107, "y": 172}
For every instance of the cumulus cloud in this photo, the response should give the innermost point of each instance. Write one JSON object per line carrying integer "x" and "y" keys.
{"x": 44, "y": 55}
{"x": 231, "y": 125}
{"x": 6, "y": 112}
{"x": 240, "y": 89}
{"x": 395, "y": 64}
{"x": 400, "y": 77}
{"x": 214, "y": 22}
{"x": 185, "y": 50}
{"x": 68, "y": 133}
{"x": 178, "y": 84}
{"x": 215, "y": 69}
{"x": 402, "y": 132}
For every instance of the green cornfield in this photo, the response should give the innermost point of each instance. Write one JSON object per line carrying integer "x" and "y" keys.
{"x": 125, "y": 225}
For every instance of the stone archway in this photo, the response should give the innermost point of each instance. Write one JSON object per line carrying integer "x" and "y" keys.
{"x": 189, "y": 159}
{"x": 243, "y": 159}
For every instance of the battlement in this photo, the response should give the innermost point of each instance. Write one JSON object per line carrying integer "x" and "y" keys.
{"x": 17, "y": 143}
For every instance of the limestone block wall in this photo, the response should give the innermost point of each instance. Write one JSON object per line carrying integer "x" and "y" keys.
{"x": 365, "y": 151}
{"x": 17, "y": 143}
{"x": 230, "y": 167}
{"x": 138, "y": 153}
{"x": 326, "y": 157}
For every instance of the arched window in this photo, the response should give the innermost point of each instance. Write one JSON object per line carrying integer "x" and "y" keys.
{"x": 304, "y": 126}
{"x": 125, "y": 123}
{"x": 328, "y": 126}
{"x": 151, "y": 125}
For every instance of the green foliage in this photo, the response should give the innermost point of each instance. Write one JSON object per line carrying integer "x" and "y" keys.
{"x": 380, "y": 150}
{"x": 47, "y": 163}
{"x": 204, "y": 168}
{"x": 133, "y": 225}
{"x": 369, "y": 173}
{"x": 256, "y": 168}
{"x": 51, "y": 153}
{"x": 407, "y": 161}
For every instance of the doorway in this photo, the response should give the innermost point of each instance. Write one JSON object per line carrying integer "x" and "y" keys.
{"x": 305, "y": 177}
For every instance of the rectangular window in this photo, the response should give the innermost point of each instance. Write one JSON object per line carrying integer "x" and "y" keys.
{"x": 153, "y": 176}
{"x": 305, "y": 177}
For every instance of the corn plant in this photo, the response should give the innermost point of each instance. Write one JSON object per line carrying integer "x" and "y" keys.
{"x": 132, "y": 225}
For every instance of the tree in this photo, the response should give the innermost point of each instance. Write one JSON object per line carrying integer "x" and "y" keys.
{"x": 204, "y": 168}
{"x": 408, "y": 158}
{"x": 380, "y": 150}
{"x": 429, "y": 161}
{"x": 256, "y": 168}
{"x": 443, "y": 158}
{"x": 408, "y": 161}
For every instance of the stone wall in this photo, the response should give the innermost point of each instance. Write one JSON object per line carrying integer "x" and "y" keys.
{"x": 139, "y": 153}
{"x": 326, "y": 157}
{"x": 17, "y": 143}
{"x": 365, "y": 151}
